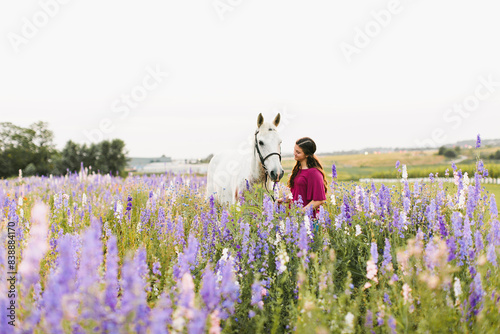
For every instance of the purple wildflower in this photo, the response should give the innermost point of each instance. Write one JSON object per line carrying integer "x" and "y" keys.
{"x": 334, "y": 171}
{"x": 369, "y": 319}
{"x": 197, "y": 324}
{"x": 258, "y": 291}
{"x": 387, "y": 256}
{"x": 187, "y": 260}
{"x": 156, "y": 268}
{"x": 374, "y": 252}
{"x": 209, "y": 291}
{"x": 493, "y": 206}
{"x": 476, "y": 295}
{"x": 397, "y": 164}
{"x": 303, "y": 241}
{"x": 111, "y": 276}
{"x": 161, "y": 315}
{"x": 478, "y": 141}
{"x": 491, "y": 255}
{"x": 35, "y": 249}
{"x": 392, "y": 324}
{"x": 229, "y": 289}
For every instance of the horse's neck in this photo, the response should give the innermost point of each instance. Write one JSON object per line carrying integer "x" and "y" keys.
{"x": 257, "y": 174}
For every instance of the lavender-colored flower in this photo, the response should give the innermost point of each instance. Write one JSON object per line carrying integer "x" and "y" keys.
{"x": 161, "y": 315}
{"x": 391, "y": 322}
{"x": 334, "y": 171}
{"x": 156, "y": 268}
{"x": 61, "y": 282}
{"x": 229, "y": 289}
{"x": 478, "y": 141}
{"x": 491, "y": 254}
{"x": 369, "y": 319}
{"x": 134, "y": 302}
{"x": 476, "y": 295}
{"x": 493, "y": 206}
{"x": 258, "y": 291}
{"x": 374, "y": 252}
{"x": 197, "y": 324}
{"x": 303, "y": 241}
{"x": 387, "y": 256}
{"x": 209, "y": 290}
{"x": 387, "y": 299}
{"x": 111, "y": 276}
{"x": 36, "y": 247}
{"x": 478, "y": 239}
{"x": 187, "y": 260}
{"x": 397, "y": 164}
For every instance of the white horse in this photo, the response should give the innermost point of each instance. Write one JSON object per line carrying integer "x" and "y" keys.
{"x": 229, "y": 171}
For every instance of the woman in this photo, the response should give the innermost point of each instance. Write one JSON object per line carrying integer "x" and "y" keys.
{"x": 308, "y": 179}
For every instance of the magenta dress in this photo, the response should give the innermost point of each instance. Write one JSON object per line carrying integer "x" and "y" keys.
{"x": 308, "y": 183}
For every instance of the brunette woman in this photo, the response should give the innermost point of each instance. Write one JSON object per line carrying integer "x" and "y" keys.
{"x": 308, "y": 178}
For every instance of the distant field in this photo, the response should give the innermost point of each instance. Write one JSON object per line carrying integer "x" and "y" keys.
{"x": 419, "y": 163}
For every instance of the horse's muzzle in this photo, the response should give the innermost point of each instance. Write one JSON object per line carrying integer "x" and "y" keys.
{"x": 275, "y": 176}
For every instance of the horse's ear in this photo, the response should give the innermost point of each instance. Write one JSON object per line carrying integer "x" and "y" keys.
{"x": 277, "y": 120}
{"x": 260, "y": 120}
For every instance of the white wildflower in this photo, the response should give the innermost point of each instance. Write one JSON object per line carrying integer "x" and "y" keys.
{"x": 332, "y": 199}
{"x": 358, "y": 230}
{"x": 457, "y": 287}
{"x": 119, "y": 209}
{"x": 307, "y": 223}
{"x": 283, "y": 260}
{"x": 349, "y": 323}
{"x": 404, "y": 173}
{"x": 466, "y": 179}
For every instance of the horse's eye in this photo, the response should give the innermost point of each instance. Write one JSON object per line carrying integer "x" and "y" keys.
{"x": 261, "y": 143}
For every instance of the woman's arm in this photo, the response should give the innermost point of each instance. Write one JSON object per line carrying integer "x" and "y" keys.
{"x": 286, "y": 200}
{"x": 314, "y": 204}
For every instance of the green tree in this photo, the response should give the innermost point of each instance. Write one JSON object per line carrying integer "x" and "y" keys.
{"x": 20, "y": 147}
{"x": 105, "y": 156}
{"x": 495, "y": 155}
{"x": 450, "y": 154}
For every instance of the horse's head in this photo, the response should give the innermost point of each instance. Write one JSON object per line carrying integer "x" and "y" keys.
{"x": 268, "y": 144}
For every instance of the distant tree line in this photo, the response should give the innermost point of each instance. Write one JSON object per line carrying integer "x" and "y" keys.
{"x": 495, "y": 156}
{"x": 33, "y": 151}
{"x": 448, "y": 152}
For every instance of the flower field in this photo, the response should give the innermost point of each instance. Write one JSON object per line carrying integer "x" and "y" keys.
{"x": 148, "y": 254}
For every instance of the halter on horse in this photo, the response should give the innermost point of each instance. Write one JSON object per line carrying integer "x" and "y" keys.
{"x": 264, "y": 165}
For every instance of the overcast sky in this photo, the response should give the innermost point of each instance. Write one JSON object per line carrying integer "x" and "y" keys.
{"x": 189, "y": 78}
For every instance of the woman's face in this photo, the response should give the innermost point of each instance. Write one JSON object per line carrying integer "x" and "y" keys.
{"x": 298, "y": 153}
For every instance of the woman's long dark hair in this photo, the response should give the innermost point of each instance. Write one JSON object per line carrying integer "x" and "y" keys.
{"x": 308, "y": 146}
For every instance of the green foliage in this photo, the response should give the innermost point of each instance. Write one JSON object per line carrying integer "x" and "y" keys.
{"x": 495, "y": 156}
{"x": 105, "y": 156}
{"x": 450, "y": 154}
{"x": 32, "y": 150}
{"x": 20, "y": 147}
